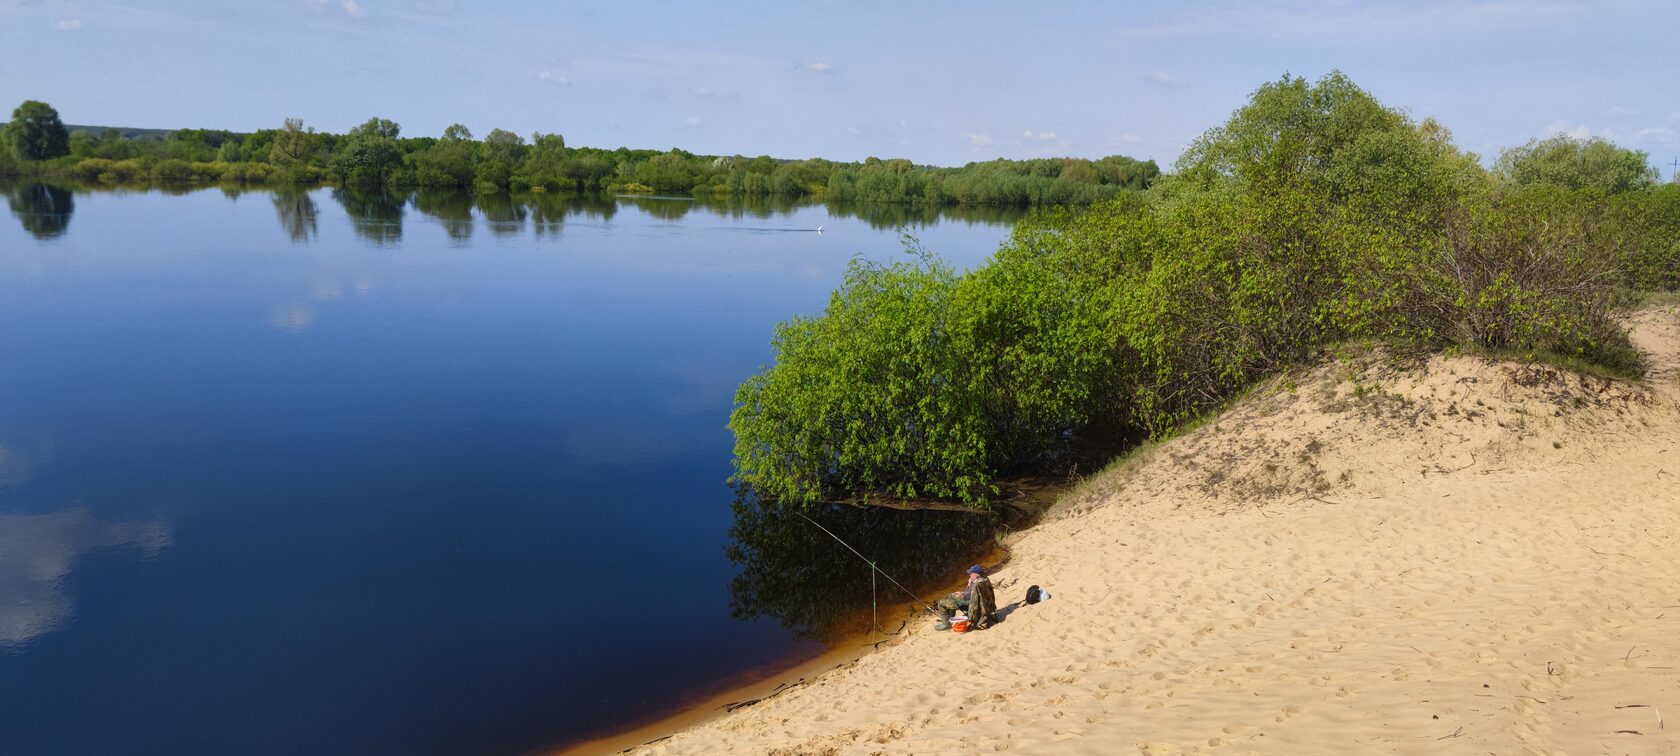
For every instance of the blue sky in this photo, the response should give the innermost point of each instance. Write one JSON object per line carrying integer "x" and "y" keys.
{"x": 936, "y": 82}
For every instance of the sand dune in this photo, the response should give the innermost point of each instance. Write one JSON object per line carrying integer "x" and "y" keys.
{"x": 1450, "y": 556}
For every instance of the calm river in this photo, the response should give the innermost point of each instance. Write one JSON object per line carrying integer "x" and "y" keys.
{"x": 333, "y": 474}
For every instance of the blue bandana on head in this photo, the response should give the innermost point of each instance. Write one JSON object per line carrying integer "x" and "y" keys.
{"x": 977, "y": 570}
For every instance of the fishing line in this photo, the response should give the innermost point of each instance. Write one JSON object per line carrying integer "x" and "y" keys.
{"x": 872, "y": 566}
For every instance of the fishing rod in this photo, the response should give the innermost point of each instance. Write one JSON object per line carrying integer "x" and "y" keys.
{"x": 871, "y": 563}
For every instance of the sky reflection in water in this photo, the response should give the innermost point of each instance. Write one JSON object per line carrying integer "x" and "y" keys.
{"x": 326, "y": 472}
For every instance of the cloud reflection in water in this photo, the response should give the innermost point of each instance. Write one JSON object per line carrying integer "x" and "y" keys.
{"x": 39, "y": 551}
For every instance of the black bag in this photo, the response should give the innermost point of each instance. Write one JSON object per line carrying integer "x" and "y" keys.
{"x": 1032, "y": 595}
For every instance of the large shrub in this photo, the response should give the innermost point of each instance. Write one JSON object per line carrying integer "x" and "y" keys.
{"x": 871, "y": 396}
{"x": 1314, "y": 215}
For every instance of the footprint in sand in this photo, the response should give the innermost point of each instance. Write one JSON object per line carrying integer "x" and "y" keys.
{"x": 1288, "y": 712}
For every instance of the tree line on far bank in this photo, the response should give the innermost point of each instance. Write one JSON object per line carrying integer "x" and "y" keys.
{"x": 1315, "y": 216}
{"x": 375, "y": 155}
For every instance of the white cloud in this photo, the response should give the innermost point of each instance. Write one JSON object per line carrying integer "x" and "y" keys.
{"x": 1579, "y": 132}
{"x": 1043, "y": 136}
{"x": 68, "y": 24}
{"x": 854, "y": 131}
{"x": 1165, "y": 79}
{"x": 1618, "y": 110}
{"x": 979, "y": 140}
{"x": 1657, "y": 135}
{"x": 553, "y": 78}
{"x": 692, "y": 121}
{"x": 1120, "y": 139}
{"x": 353, "y": 8}
{"x": 820, "y": 66}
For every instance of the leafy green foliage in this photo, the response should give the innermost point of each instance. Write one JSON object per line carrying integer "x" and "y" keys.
{"x": 871, "y": 396}
{"x": 36, "y": 133}
{"x": 1646, "y": 225}
{"x": 374, "y": 154}
{"x": 450, "y": 163}
{"x": 500, "y": 157}
{"x": 293, "y": 148}
{"x": 1573, "y": 163}
{"x": 369, "y": 156}
{"x": 1314, "y": 215}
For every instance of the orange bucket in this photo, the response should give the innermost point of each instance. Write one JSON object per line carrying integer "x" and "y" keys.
{"x": 959, "y": 625}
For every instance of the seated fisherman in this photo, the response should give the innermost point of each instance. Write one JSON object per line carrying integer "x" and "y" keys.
{"x": 976, "y": 599}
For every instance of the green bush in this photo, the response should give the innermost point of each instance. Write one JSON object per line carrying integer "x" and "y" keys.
{"x": 249, "y": 173}
{"x": 1313, "y": 216}
{"x": 90, "y": 169}
{"x": 871, "y": 396}
{"x": 1564, "y": 161}
{"x": 172, "y": 171}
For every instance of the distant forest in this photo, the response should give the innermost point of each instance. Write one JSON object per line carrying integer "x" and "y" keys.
{"x": 375, "y": 155}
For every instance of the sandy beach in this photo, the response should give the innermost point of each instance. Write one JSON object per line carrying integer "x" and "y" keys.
{"x": 1432, "y": 555}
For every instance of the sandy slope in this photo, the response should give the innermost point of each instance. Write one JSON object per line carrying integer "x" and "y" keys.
{"x": 1452, "y": 557}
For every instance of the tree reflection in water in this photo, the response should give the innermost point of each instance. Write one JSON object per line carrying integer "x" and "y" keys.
{"x": 502, "y": 214}
{"x": 296, "y": 211}
{"x": 890, "y": 215}
{"x": 375, "y": 216}
{"x": 453, "y": 210}
{"x": 549, "y": 210}
{"x": 795, "y": 573}
{"x": 43, "y": 209}
{"x": 663, "y": 208}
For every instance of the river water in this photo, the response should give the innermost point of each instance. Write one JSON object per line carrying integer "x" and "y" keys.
{"x": 314, "y": 472}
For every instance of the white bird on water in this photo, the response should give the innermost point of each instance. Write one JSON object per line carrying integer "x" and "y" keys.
{"x": 819, "y": 230}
